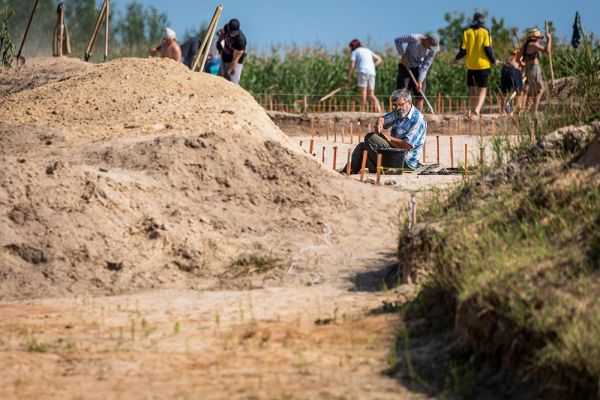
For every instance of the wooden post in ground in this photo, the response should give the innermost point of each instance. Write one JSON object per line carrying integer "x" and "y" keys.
{"x": 312, "y": 127}
{"x": 323, "y": 155}
{"x": 379, "y": 155}
{"x": 328, "y": 129}
{"x": 450, "y": 105}
{"x": 351, "y": 133}
{"x": 363, "y": 164}
{"x": 343, "y": 135}
{"x": 437, "y": 145}
{"x": 480, "y": 125}
{"x": 348, "y": 162}
{"x": 334, "y": 134}
{"x": 458, "y": 125}
{"x": 451, "y": 152}
{"x": 425, "y": 150}
{"x": 334, "y": 156}
{"x": 312, "y": 146}
{"x": 481, "y": 156}
{"x": 358, "y": 133}
{"x": 466, "y": 161}
{"x": 305, "y": 104}
{"x": 470, "y": 124}
{"x": 439, "y": 102}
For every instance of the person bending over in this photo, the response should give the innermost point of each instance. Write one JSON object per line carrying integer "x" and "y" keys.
{"x": 365, "y": 62}
{"x": 408, "y": 132}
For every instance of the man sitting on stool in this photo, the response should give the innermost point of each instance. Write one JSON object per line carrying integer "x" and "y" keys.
{"x": 409, "y": 129}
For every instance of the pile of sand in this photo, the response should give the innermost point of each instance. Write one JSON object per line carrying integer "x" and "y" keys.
{"x": 139, "y": 174}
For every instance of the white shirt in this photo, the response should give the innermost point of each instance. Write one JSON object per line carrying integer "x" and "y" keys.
{"x": 363, "y": 58}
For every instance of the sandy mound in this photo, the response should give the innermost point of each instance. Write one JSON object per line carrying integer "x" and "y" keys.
{"x": 37, "y": 72}
{"x": 138, "y": 174}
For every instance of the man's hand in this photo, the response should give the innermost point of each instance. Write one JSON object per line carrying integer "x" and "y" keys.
{"x": 404, "y": 60}
{"x": 379, "y": 125}
{"x": 420, "y": 86}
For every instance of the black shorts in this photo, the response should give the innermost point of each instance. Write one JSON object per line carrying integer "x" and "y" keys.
{"x": 404, "y": 81}
{"x": 478, "y": 77}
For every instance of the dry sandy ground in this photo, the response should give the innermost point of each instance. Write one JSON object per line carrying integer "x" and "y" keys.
{"x": 125, "y": 202}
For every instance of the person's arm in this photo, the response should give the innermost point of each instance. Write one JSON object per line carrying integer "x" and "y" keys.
{"x": 462, "y": 52}
{"x": 350, "y": 70}
{"x": 378, "y": 59}
{"x": 488, "y": 49}
{"x": 548, "y": 47}
{"x": 398, "y": 143}
{"x": 178, "y": 53}
{"x": 237, "y": 54}
{"x": 424, "y": 68}
{"x": 154, "y": 50}
{"x": 400, "y": 41}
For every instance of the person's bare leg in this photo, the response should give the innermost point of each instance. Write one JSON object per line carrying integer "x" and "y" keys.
{"x": 419, "y": 104}
{"x": 374, "y": 101}
{"x": 472, "y": 97}
{"x": 362, "y": 93}
{"x": 538, "y": 98}
{"x": 480, "y": 100}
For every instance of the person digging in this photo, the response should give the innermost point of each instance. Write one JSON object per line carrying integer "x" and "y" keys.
{"x": 408, "y": 132}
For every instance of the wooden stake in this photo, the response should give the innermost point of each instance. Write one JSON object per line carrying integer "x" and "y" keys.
{"x": 312, "y": 127}
{"x": 466, "y": 161}
{"x": 480, "y": 125}
{"x": 450, "y": 105}
{"x": 334, "y": 134}
{"x": 481, "y": 156}
{"x": 351, "y": 134}
{"x": 451, "y": 152}
{"x": 305, "y": 104}
{"x": 379, "y": 155}
{"x": 363, "y": 165}
{"x": 343, "y": 135}
{"x": 106, "y": 30}
{"x": 437, "y": 145}
{"x": 470, "y": 123}
{"x": 311, "y": 146}
{"x": 348, "y": 162}
{"x": 328, "y": 129}
{"x": 334, "y": 156}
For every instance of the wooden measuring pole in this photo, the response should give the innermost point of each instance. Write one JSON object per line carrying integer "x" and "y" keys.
{"x": 88, "y": 52}
{"x": 379, "y": 155}
{"x": 451, "y": 152}
{"x": 466, "y": 161}
{"x": 312, "y": 146}
{"x": 437, "y": 145}
{"x": 323, "y": 155}
{"x": 334, "y": 156}
{"x": 363, "y": 164}
{"x": 204, "y": 48}
{"x": 106, "y": 30}
{"x": 348, "y": 163}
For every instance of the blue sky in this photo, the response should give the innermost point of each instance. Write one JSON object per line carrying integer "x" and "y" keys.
{"x": 267, "y": 22}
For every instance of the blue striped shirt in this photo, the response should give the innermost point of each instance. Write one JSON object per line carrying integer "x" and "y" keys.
{"x": 418, "y": 55}
{"x": 412, "y": 129}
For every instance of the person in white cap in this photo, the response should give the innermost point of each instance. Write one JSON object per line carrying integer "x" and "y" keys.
{"x": 168, "y": 47}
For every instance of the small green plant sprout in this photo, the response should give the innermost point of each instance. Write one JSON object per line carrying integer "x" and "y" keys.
{"x": 177, "y": 328}
{"x": 32, "y": 345}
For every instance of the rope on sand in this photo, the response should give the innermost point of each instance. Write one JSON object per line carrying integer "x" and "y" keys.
{"x": 327, "y": 244}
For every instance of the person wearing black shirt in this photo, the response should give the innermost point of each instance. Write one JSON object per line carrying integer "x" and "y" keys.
{"x": 232, "y": 45}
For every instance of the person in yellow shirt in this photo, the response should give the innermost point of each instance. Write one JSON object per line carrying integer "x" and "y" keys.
{"x": 477, "y": 47}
